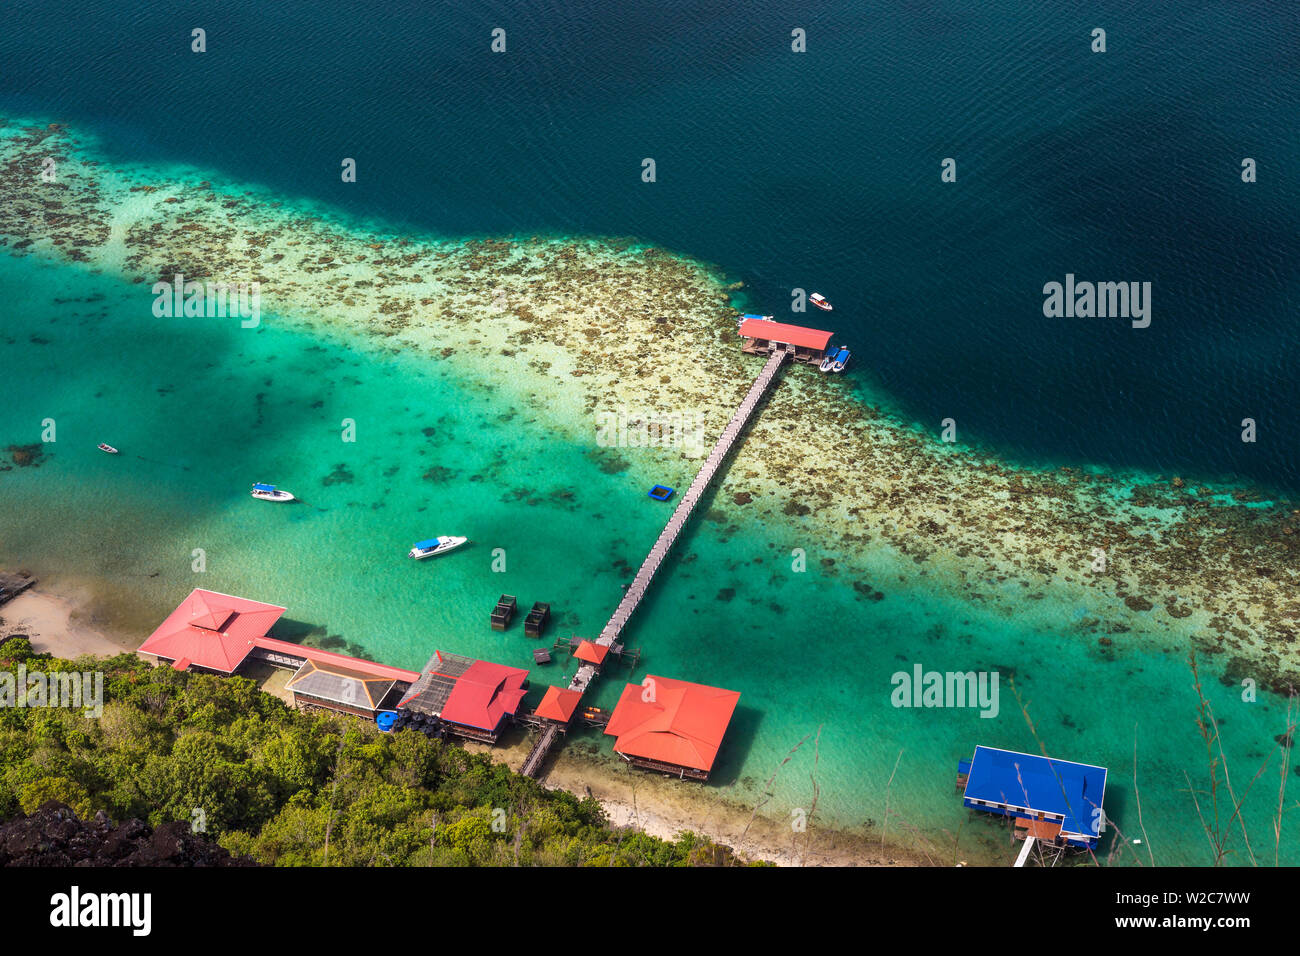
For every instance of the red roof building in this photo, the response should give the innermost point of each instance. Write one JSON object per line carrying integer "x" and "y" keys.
{"x": 591, "y": 652}
{"x": 217, "y": 632}
{"x": 780, "y": 334}
{"x": 558, "y": 704}
{"x": 679, "y": 728}
{"x": 485, "y": 694}
{"x": 475, "y": 696}
{"x": 211, "y": 630}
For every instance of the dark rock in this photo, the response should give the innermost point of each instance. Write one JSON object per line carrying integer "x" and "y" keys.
{"x": 55, "y": 836}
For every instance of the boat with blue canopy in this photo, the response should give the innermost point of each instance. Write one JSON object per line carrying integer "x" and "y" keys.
{"x": 270, "y": 493}
{"x": 433, "y": 546}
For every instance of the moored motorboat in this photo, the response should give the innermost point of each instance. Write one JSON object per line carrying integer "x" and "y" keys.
{"x": 819, "y": 300}
{"x": 828, "y": 362}
{"x": 270, "y": 493}
{"x": 841, "y": 359}
{"x": 107, "y": 448}
{"x": 433, "y": 546}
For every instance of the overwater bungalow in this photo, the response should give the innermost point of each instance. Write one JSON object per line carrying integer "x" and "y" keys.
{"x": 1056, "y": 802}
{"x": 672, "y": 726}
{"x": 763, "y": 337}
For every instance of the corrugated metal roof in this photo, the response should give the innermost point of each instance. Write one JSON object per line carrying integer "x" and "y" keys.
{"x": 350, "y": 688}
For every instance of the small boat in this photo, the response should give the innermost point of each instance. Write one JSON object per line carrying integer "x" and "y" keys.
{"x": 828, "y": 362}
{"x": 107, "y": 448}
{"x": 841, "y": 359}
{"x": 270, "y": 493}
{"x": 439, "y": 545}
{"x": 819, "y": 300}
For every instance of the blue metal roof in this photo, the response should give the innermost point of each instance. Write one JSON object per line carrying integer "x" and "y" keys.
{"x": 1025, "y": 785}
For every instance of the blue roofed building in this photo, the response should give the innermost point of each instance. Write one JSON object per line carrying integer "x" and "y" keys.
{"x": 1056, "y": 801}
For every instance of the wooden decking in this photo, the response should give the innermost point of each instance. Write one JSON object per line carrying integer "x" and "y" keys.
{"x": 682, "y": 514}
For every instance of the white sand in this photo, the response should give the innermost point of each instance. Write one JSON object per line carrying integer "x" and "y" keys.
{"x": 61, "y": 624}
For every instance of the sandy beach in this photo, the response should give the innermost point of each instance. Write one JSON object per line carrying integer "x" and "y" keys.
{"x": 63, "y": 623}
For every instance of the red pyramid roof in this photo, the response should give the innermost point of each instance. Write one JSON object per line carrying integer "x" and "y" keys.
{"x": 591, "y": 652}
{"x": 558, "y": 704}
{"x": 682, "y": 724}
{"x": 189, "y": 633}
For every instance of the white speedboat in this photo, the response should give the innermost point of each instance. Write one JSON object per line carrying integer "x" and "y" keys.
{"x": 107, "y": 448}
{"x": 270, "y": 493}
{"x": 433, "y": 546}
{"x": 819, "y": 300}
{"x": 841, "y": 359}
{"x": 828, "y": 362}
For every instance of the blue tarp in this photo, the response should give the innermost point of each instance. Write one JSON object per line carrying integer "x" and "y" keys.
{"x": 425, "y": 545}
{"x": 1024, "y": 785}
{"x": 264, "y": 487}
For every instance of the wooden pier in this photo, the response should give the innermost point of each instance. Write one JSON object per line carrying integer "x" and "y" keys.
{"x": 645, "y": 575}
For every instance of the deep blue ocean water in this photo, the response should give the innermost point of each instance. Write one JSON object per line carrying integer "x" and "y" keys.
{"x": 817, "y": 170}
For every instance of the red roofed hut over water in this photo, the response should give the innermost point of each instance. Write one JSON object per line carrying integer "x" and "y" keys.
{"x": 219, "y": 633}
{"x": 558, "y": 704}
{"x": 672, "y": 726}
{"x": 762, "y": 337}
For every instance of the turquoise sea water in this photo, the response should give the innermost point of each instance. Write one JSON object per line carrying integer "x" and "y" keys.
{"x": 202, "y": 407}
{"x": 819, "y": 172}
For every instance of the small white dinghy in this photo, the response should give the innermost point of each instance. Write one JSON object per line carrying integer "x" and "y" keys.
{"x": 109, "y": 449}
{"x": 270, "y": 493}
{"x": 433, "y": 546}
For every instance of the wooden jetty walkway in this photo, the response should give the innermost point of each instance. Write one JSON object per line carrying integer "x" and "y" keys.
{"x": 645, "y": 575}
